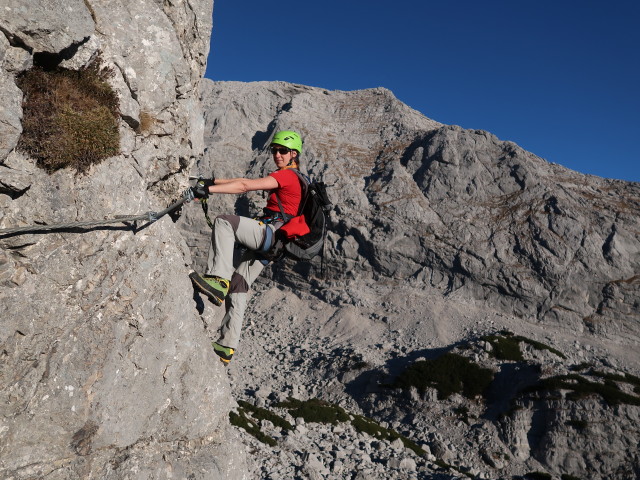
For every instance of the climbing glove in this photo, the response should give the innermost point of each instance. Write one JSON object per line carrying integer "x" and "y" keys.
{"x": 201, "y": 188}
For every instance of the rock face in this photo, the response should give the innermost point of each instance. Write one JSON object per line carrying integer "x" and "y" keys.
{"x": 440, "y": 237}
{"x": 106, "y": 367}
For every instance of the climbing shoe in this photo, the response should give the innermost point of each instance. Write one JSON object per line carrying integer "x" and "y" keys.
{"x": 225, "y": 353}
{"x": 215, "y": 288}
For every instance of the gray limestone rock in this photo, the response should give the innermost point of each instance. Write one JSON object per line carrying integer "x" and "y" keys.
{"x": 14, "y": 60}
{"x": 46, "y": 25}
{"x": 10, "y": 115}
{"x": 10, "y": 102}
{"x": 582, "y": 437}
{"x": 107, "y": 370}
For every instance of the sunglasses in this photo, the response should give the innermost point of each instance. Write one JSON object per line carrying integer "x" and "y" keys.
{"x": 280, "y": 150}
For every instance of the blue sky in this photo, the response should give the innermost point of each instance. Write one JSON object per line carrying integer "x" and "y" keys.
{"x": 559, "y": 78}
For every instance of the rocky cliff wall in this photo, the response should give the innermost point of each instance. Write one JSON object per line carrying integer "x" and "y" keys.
{"x": 106, "y": 368}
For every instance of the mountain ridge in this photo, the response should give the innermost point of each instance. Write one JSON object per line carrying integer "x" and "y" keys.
{"x": 543, "y": 218}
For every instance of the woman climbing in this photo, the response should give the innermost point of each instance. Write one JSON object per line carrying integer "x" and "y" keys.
{"x": 222, "y": 281}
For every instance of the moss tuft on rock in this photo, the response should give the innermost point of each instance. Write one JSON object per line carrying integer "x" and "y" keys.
{"x": 70, "y": 118}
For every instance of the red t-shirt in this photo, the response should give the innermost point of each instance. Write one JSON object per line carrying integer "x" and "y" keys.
{"x": 289, "y": 191}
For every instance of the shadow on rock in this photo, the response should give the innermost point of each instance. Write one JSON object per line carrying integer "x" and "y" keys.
{"x": 510, "y": 380}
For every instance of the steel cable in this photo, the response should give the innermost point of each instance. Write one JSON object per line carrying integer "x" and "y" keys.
{"x": 150, "y": 216}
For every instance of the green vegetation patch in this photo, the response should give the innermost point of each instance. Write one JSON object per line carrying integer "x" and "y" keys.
{"x": 374, "y": 429}
{"x": 315, "y": 410}
{"x": 581, "y": 366}
{"x": 580, "y": 387}
{"x": 70, "y": 118}
{"x": 610, "y": 378}
{"x": 319, "y": 411}
{"x": 243, "y": 419}
{"x": 507, "y": 346}
{"x": 264, "y": 414}
{"x": 448, "y": 374}
{"x": 541, "y": 346}
{"x": 538, "y": 476}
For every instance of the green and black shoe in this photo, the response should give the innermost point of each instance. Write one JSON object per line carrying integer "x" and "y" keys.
{"x": 225, "y": 353}
{"x": 215, "y": 288}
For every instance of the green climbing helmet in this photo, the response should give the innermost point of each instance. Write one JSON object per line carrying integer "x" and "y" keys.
{"x": 288, "y": 139}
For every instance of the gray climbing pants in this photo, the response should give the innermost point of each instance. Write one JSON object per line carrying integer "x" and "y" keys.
{"x": 228, "y": 230}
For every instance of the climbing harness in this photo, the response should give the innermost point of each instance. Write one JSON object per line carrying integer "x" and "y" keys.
{"x": 150, "y": 217}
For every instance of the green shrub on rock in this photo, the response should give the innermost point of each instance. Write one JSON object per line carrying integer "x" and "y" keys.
{"x": 318, "y": 411}
{"x": 241, "y": 420}
{"x": 579, "y": 387}
{"x": 315, "y": 410}
{"x": 70, "y": 118}
{"x": 506, "y": 346}
{"x": 448, "y": 374}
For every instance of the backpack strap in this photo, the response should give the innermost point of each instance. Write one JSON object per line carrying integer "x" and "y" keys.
{"x": 304, "y": 183}
{"x": 285, "y": 217}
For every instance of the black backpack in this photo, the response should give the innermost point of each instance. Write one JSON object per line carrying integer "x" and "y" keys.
{"x": 315, "y": 206}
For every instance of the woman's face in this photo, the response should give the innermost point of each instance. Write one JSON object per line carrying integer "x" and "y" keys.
{"x": 282, "y": 156}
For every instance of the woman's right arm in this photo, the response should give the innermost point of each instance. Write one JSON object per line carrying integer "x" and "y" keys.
{"x": 243, "y": 185}
{"x": 222, "y": 181}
